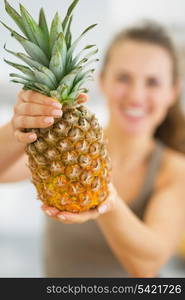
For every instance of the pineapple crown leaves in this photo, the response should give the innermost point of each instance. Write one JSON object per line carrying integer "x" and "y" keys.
{"x": 53, "y": 69}
{"x": 59, "y": 55}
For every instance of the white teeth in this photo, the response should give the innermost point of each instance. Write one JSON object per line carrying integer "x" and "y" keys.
{"x": 135, "y": 112}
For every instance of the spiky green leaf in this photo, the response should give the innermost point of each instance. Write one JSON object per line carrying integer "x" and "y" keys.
{"x": 54, "y": 94}
{"x": 77, "y": 57}
{"x": 35, "y": 33}
{"x": 67, "y": 33}
{"x": 42, "y": 87}
{"x": 80, "y": 75}
{"x": 78, "y": 85}
{"x": 85, "y": 58}
{"x": 31, "y": 85}
{"x": 90, "y": 62}
{"x": 15, "y": 16}
{"x": 69, "y": 79}
{"x": 69, "y": 12}
{"x": 34, "y": 64}
{"x": 18, "y": 76}
{"x": 27, "y": 26}
{"x": 33, "y": 50}
{"x": 13, "y": 32}
{"x": 91, "y": 53}
{"x": 36, "y": 76}
{"x": 22, "y": 68}
{"x": 19, "y": 81}
{"x": 37, "y": 88}
{"x": 64, "y": 92}
{"x": 56, "y": 28}
{"x": 74, "y": 95}
{"x": 66, "y": 85}
{"x": 43, "y": 23}
{"x": 58, "y": 59}
{"x": 74, "y": 44}
{"x": 43, "y": 79}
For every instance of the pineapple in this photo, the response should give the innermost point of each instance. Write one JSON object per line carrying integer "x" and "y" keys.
{"x": 69, "y": 163}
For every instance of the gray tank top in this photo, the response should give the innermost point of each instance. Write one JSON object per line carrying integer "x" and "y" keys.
{"x": 81, "y": 250}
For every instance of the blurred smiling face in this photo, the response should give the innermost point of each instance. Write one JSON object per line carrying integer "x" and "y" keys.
{"x": 138, "y": 85}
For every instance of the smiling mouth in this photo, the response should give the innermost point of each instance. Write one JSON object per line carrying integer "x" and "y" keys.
{"x": 133, "y": 114}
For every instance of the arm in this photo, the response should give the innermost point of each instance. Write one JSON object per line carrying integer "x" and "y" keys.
{"x": 143, "y": 247}
{"x": 12, "y": 158}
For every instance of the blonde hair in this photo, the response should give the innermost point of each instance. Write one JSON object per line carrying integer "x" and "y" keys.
{"x": 172, "y": 130}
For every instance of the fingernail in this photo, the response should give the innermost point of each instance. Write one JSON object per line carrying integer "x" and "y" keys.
{"x": 62, "y": 217}
{"x": 55, "y": 211}
{"x": 81, "y": 99}
{"x": 56, "y": 104}
{"x": 48, "y": 120}
{"x": 48, "y": 212}
{"x": 32, "y": 136}
{"x": 57, "y": 113}
{"x": 102, "y": 209}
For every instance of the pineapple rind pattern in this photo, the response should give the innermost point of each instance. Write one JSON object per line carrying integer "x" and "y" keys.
{"x": 80, "y": 181}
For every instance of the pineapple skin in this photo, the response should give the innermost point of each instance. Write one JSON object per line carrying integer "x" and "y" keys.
{"x": 69, "y": 162}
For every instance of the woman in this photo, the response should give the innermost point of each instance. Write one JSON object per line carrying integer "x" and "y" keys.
{"x": 140, "y": 225}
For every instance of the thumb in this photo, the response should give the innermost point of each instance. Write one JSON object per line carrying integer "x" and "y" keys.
{"x": 82, "y": 98}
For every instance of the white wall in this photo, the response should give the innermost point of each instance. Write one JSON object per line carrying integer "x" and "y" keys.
{"x": 170, "y": 13}
{"x": 165, "y": 11}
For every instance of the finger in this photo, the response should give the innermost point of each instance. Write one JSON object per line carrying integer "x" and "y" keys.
{"x": 109, "y": 203}
{"x": 69, "y": 218}
{"x": 50, "y": 216}
{"x": 25, "y": 138}
{"x": 49, "y": 210}
{"x": 104, "y": 207}
{"x": 33, "y": 109}
{"x": 34, "y": 97}
{"x": 20, "y": 122}
{"x": 82, "y": 98}
{"x": 18, "y": 102}
{"x": 19, "y": 98}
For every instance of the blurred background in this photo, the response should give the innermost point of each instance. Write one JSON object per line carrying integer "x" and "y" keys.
{"x": 21, "y": 221}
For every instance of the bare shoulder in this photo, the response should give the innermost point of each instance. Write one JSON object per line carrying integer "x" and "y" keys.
{"x": 174, "y": 161}
{"x": 172, "y": 168}
{"x": 166, "y": 207}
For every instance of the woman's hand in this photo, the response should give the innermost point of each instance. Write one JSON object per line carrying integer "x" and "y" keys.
{"x": 71, "y": 218}
{"x": 35, "y": 110}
